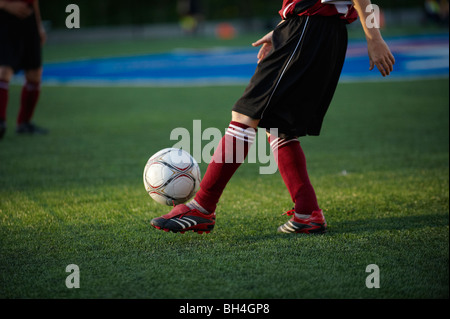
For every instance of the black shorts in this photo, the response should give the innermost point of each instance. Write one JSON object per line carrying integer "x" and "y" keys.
{"x": 20, "y": 44}
{"x": 293, "y": 86}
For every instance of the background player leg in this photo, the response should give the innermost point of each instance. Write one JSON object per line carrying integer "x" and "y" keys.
{"x": 6, "y": 74}
{"x": 29, "y": 99}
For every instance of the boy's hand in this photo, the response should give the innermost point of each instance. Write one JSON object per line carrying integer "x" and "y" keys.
{"x": 380, "y": 56}
{"x": 266, "y": 42}
{"x": 42, "y": 35}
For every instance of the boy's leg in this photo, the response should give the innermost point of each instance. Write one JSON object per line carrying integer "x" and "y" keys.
{"x": 29, "y": 98}
{"x": 308, "y": 218}
{"x": 291, "y": 163}
{"x": 229, "y": 155}
{"x": 6, "y": 74}
{"x": 199, "y": 214}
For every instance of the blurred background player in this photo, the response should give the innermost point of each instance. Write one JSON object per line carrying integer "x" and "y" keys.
{"x": 21, "y": 40}
{"x": 437, "y": 11}
{"x": 190, "y": 15}
{"x": 299, "y": 65}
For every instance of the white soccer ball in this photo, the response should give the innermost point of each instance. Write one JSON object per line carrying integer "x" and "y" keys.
{"x": 172, "y": 176}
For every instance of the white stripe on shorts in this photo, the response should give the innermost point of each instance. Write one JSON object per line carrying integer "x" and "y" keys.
{"x": 285, "y": 68}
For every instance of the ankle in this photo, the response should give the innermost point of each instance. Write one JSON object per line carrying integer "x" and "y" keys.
{"x": 195, "y": 205}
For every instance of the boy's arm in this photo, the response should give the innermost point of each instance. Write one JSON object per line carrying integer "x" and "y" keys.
{"x": 379, "y": 53}
{"x": 3, "y": 4}
{"x": 37, "y": 13}
{"x": 16, "y": 8}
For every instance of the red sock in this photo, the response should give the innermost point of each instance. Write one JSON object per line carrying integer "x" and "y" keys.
{"x": 4, "y": 89}
{"x": 292, "y": 166}
{"x": 229, "y": 155}
{"x": 28, "y": 102}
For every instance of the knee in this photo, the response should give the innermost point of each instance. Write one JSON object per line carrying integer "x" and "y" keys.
{"x": 6, "y": 73}
{"x": 34, "y": 76}
{"x": 244, "y": 119}
{"x": 283, "y": 136}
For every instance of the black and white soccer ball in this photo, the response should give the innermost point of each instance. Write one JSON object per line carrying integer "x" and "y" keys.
{"x": 172, "y": 176}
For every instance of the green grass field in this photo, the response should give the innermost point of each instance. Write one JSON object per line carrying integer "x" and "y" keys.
{"x": 76, "y": 196}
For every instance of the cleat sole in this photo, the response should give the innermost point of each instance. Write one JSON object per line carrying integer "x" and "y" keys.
{"x": 185, "y": 230}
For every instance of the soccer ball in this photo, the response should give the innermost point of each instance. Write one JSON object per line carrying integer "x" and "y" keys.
{"x": 171, "y": 176}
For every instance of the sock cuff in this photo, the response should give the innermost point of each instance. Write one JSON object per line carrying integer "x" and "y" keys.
{"x": 4, "y": 85}
{"x": 32, "y": 86}
{"x": 239, "y": 124}
{"x": 241, "y": 132}
{"x": 278, "y": 142}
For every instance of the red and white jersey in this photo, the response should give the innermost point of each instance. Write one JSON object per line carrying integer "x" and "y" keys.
{"x": 344, "y": 11}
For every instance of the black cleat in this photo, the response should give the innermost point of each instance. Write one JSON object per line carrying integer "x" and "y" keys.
{"x": 182, "y": 218}
{"x": 315, "y": 224}
{"x": 2, "y": 129}
{"x": 30, "y": 128}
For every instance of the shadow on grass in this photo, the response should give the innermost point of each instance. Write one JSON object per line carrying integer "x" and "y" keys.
{"x": 368, "y": 225}
{"x": 414, "y": 222}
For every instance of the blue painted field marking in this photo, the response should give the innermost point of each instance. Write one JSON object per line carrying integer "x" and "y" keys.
{"x": 416, "y": 57}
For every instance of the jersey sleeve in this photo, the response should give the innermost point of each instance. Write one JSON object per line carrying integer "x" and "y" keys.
{"x": 317, "y": 7}
{"x": 287, "y": 9}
